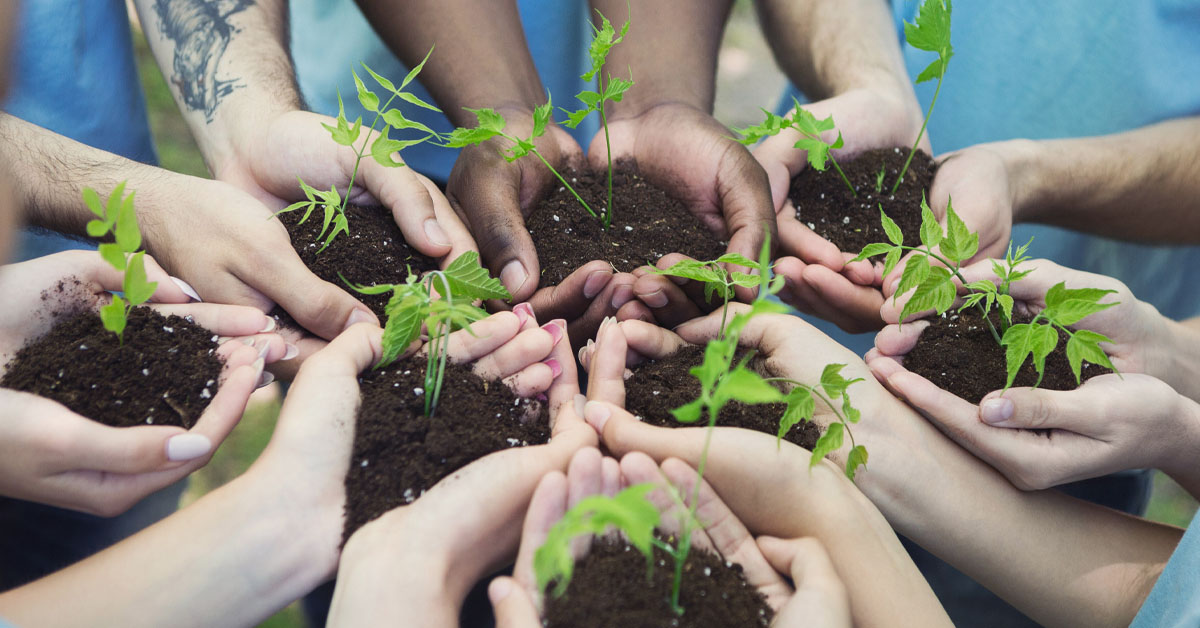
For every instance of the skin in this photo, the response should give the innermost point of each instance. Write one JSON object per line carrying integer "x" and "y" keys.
{"x": 933, "y": 491}
{"x": 1113, "y": 422}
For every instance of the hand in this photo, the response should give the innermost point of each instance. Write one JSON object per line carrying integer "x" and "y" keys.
{"x": 694, "y": 157}
{"x": 818, "y": 279}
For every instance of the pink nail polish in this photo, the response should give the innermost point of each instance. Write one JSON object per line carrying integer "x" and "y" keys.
{"x": 554, "y": 329}
{"x": 555, "y": 367}
{"x": 524, "y": 312}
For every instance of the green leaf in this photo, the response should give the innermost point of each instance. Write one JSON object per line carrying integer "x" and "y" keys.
{"x": 603, "y": 39}
{"x": 406, "y": 311}
{"x": 851, "y": 413}
{"x": 688, "y": 413}
{"x": 366, "y": 97}
{"x": 413, "y": 99}
{"x": 856, "y": 459}
{"x": 889, "y": 262}
{"x": 771, "y": 126}
{"x": 1023, "y": 340}
{"x": 746, "y": 386}
{"x": 589, "y": 98}
{"x": 695, "y": 270}
{"x": 932, "y": 32}
{"x": 112, "y": 208}
{"x": 397, "y": 121}
{"x": 808, "y": 124}
{"x": 112, "y": 254}
{"x": 468, "y": 279}
{"x": 832, "y": 381}
{"x": 541, "y": 117}
{"x": 915, "y": 272}
{"x": 891, "y": 228}
{"x": 575, "y": 118}
{"x": 138, "y": 289}
{"x": 1069, "y": 306}
{"x": 127, "y": 235}
{"x": 343, "y": 133}
{"x": 97, "y": 228}
{"x": 931, "y": 231}
{"x": 828, "y": 443}
{"x": 520, "y": 149}
{"x": 93, "y": 202}
{"x": 383, "y": 82}
{"x": 871, "y": 250}
{"x": 800, "y": 407}
{"x": 112, "y": 316}
{"x": 818, "y": 151}
{"x": 383, "y": 148}
{"x": 935, "y": 293}
{"x": 1006, "y": 306}
{"x": 615, "y": 89}
{"x": 412, "y": 74}
{"x": 960, "y": 244}
{"x": 1085, "y": 345}
{"x": 737, "y": 259}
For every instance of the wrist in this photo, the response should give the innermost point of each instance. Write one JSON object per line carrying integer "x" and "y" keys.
{"x": 1184, "y": 441}
{"x": 1173, "y": 353}
{"x": 1022, "y": 162}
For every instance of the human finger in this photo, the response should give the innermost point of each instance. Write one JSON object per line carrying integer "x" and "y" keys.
{"x": 512, "y": 605}
{"x": 606, "y": 377}
{"x": 317, "y": 305}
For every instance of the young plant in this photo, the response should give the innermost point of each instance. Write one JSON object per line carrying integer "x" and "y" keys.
{"x": 801, "y": 405}
{"x": 719, "y": 281}
{"x": 811, "y": 128}
{"x": 490, "y": 124}
{"x": 332, "y": 203}
{"x": 118, "y": 219}
{"x": 442, "y": 302}
{"x": 931, "y": 32}
{"x": 608, "y": 89}
{"x": 934, "y": 289}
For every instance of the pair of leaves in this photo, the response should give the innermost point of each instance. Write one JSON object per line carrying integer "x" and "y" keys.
{"x": 629, "y": 511}
{"x": 118, "y": 217}
{"x": 332, "y": 214}
{"x": 801, "y": 406}
{"x": 711, "y": 273}
{"x": 931, "y": 32}
{"x": 804, "y": 122}
{"x": 831, "y": 441}
{"x": 1064, "y": 307}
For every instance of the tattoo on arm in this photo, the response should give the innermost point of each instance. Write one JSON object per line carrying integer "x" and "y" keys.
{"x": 201, "y": 31}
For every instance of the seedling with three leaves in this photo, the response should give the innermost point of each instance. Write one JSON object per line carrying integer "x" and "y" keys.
{"x": 441, "y": 302}
{"x": 333, "y": 203}
{"x": 118, "y": 219}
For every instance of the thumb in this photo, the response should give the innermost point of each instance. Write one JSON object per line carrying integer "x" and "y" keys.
{"x": 131, "y": 450}
{"x": 1037, "y": 408}
{"x": 745, "y": 195}
{"x": 319, "y": 306}
{"x": 511, "y": 604}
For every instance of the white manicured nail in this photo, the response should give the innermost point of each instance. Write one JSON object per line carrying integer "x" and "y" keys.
{"x": 187, "y": 447}
{"x": 188, "y": 290}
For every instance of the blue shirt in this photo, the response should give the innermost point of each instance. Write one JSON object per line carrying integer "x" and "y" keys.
{"x": 557, "y": 33}
{"x": 1174, "y": 602}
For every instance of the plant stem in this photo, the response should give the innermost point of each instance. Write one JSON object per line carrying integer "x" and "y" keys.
{"x": 608, "y": 211}
{"x": 920, "y": 133}
{"x": 844, "y": 177}
{"x": 817, "y": 393}
{"x": 565, "y": 184}
{"x": 954, "y": 269}
{"x": 439, "y": 348}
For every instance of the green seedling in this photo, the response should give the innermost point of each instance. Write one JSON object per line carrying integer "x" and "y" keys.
{"x": 441, "y": 302}
{"x": 118, "y": 219}
{"x": 332, "y": 203}
{"x": 934, "y": 289}
{"x": 490, "y": 124}
{"x": 719, "y": 281}
{"x": 801, "y": 405}
{"x": 629, "y": 511}
{"x": 805, "y": 123}
{"x": 608, "y": 89}
{"x": 931, "y": 32}
{"x": 879, "y": 178}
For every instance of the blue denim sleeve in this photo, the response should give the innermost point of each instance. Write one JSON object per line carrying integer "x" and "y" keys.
{"x": 1174, "y": 602}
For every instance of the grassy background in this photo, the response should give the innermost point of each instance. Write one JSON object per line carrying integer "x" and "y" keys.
{"x": 747, "y": 80}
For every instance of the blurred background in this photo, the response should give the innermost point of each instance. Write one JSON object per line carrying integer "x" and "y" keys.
{"x": 747, "y": 79}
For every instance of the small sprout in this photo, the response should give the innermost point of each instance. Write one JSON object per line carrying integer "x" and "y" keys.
{"x": 808, "y": 125}
{"x": 879, "y": 178}
{"x": 930, "y": 32}
{"x": 332, "y": 203}
{"x": 801, "y": 406}
{"x": 118, "y": 219}
{"x": 719, "y": 281}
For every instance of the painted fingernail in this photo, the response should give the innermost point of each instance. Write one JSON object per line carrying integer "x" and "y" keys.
{"x": 357, "y": 316}
{"x": 524, "y": 312}
{"x": 187, "y": 289}
{"x": 580, "y": 403}
{"x": 434, "y": 232}
{"x": 621, "y": 296}
{"x": 499, "y": 589}
{"x": 187, "y": 447}
{"x": 997, "y": 410}
{"x": 291, "y": 352}
{"x": 595, "y": 283}
{"x": 555, "y": 367}
{"x": 514, "y": 276}
{"x": 555, "y": 330}
{"x": 658, "y": 298}
{"x": 270, "y": 326}
{"x": 596, "y": 414}
{"x": 264, "y": 378}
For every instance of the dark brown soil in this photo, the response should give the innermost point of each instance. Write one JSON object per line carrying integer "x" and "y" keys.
{"x": 165, "y": 373}
{"x": 399, "y": 453}
{"x": 824, "y": 203}
{"x": 611, "y": 588}
{"x": 659, "y": 386}
{"x": 959, "y": 354}
{"x": 647, "y": 225}
{"x": 375, "y": 252}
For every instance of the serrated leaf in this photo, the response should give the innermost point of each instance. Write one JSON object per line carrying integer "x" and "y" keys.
{"x": 828, "y": 443}
{"x": 935, "y": 293}
{"x": 889, "y": 262}
{"x": 800, "y": 407}
{"x": 343, "y": 134}
{"x": 615, "y": 89}
{"x": 931, "y": 230}
{"x": 817, "y": 152}
{"x": 915, "y": 271}
{"x": 851, "y": 413}
{"x": 856, "y": 459}
{"x": 412, "y": 74}
{"x": 575, "y": 118}
{"x": 931, "y": 32}
{"x": 1085, "y": 345}
{"x": 1069, "y": 306}
{"x": 772, "y": 125}
{"x": 891, "y": 228}
{"x": 1024, "y": 340}
{"x": 112, "y": 254}
{"x": 960, "y": 244}
{"x": 469, "y": 280}
{"x": 871, "y": 250}
{"x": 489, "y": 124}
{"x": 695, "y": 270}
{"x": 746, "y": 386}
{"x": 688, "y": 413}
{"x": 406, "y": 311}
{"x": 1006, "y": 306}
{"x": 832, "y": 381}
{"x": 541, "y": 117}
{"x": 520, "y": 149}
{"x": 808, "y": 124}
{"x": 737, "y": 259}
{"x": 366, "y": 97}
{"x": 589, "y": 98}
{"x": 138, "y": 289}
{"x": 112, "y": 316}
{"x": 982, "y": 285}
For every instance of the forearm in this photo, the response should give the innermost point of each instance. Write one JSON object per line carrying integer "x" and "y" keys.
{"x": 1180, "y": 462}
{"x": 228, "y": 68}
{"x": 1062, "y": 561}
{"x": 231, "y": 559}
{"x": 671, "y": 50}
{"x": 1174, "y": 356}
{"x": 480, "y": 57}
{"x": 1137, "y": 185}
{"x": 829, "y": 47}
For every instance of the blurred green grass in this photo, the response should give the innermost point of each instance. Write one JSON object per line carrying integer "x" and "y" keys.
{"x": 177, "y": 151}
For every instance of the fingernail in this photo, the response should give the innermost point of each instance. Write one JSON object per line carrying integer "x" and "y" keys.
{"x": 188, "y": 290}
{"x": 513, "y": 276}
{"x": 524, "y": 312}
{"x": 596, "y": 414}
{"x": 434, "y": 232}
{"x": 499, "y": 589}
{"x": 270, "y": 325}
{"x": 264, "y": 378}
{"x": 997, "y": 410}
{"x": 658, "y": 298}
{"x": 187, "y": 447}
{"x": 555, "y": 367}
{"x": 258, "y": 364}
{"x": 580, "y": 402}
{"x": 248, "y": 341}
{"x": 621, "y": 296}
{"x": 555, "y": 330}
{"x": 266, "y": 346}
{"x": 579, "y": 354}
{"x": 357, "y": 316}
{"x": 595, "y": 283}
{"x": 291, "y": 352}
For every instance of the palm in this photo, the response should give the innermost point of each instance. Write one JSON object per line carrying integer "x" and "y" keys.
{"x": 977, "y": 183}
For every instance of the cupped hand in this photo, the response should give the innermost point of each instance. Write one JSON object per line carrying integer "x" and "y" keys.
{"x": 695, "y": 159}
